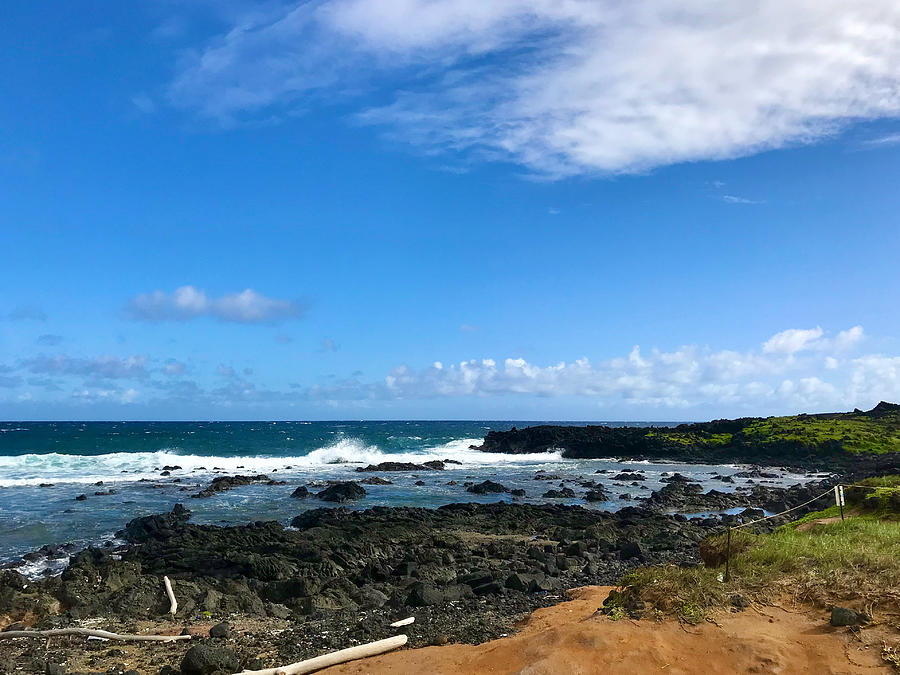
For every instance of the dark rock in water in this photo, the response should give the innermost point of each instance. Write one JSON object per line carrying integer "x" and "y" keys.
{"x": 375, "y": 480}
{"x": 433, "y": 465}
{"x": 540, "y": 475}
{"x": 751, "y": 514}
{"x": 209, "y": 660}
{"x": 422, "y": 595}
{"x": 677, "y": 478}
{"x": 222, "y": 483}
{"x": 165, "y": 473}
{"x": 301, "y": 493}
{"x": 842, "y": 616}
{"x": 171, "y": 468}
{"x": 517, "y": 493}
{"x": 420, "y": 483}
{"x": 81, "y": 498}
{"x": 342, "y": 492}
{"x": 564, "y": 493}
{"x": 160, "y": 526}
{"x": 487, "y": 487}
{"x": 626, "y": 496}
{"x": 596, "y": 495}
{"x": 220, "y": 630}
{"x": 451, "y": 482}
{"x": 625, "y": 475}
{"x": 45, "y": 485}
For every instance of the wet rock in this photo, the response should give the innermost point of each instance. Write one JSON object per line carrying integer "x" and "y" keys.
{"x": 375, "y": 480}
{"x": 81, "y": 498}
{"x": 677, "y": 478}
{"x": 434, "y": 465}
{"x": 301, "y": 493}
{"x": 487, "y": 487}
{"x": 223, "y": 483}
{"x": 596, "y": 495}
{"x": 517, "y": 493}
{"x": 626, "y": 476}
{"x": 420, "y": 483}
{"x": 564, "y": 493}
{"x": 209, "y": 660}
{"x": 342, "y": 492}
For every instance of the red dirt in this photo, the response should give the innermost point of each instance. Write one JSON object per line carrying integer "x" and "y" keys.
{"x": 573, "y": 639}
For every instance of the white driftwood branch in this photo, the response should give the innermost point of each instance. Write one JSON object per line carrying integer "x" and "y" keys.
{"x": 173, "y": 602}
{"x": 326, "y": 660}
{"x": 10, "y": 634}
{"x": 403, "y": 622}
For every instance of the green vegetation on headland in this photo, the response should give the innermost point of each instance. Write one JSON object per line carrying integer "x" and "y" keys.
{"x": 819, "y": 559}
{"x": 847, "y": 438}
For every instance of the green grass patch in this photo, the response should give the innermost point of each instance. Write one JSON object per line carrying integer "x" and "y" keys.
{"x": 855, "y": 433}
{"x": 855, "y": 561}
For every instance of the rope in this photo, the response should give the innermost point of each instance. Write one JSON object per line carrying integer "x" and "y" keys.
{"x": 800, "y": 506}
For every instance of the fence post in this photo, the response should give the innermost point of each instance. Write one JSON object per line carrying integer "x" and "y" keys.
{"x": 841, "y": 501}
{"x": 728, "y": 556}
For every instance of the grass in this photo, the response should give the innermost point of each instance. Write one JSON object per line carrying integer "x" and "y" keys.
{"x": 855, "y": 433}
{"x": 852, "y": 432}
{"x": 855, "y": 561}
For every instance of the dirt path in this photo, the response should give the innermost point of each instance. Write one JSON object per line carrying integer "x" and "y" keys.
{"x": 571, "y": 639}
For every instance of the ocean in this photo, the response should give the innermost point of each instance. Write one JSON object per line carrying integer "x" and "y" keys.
{"x": 44, "y": 466}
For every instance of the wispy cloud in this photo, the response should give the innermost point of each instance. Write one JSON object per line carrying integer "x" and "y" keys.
{"x": 27, "y": 313}
{"x": 49, "y": 340}
{"x": 188, "y": 302}
{"x": 563, "y": 88}
{"x": 734, "y": 199}
{"x": 109, "y": 367}
{"x": 883, "y": 141}
{"x": 328, "y": 345}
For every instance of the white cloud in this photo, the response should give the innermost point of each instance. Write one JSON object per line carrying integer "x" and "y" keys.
{"x": 173, "y": 367}
{"x": 106, "y": 367}
{"x": 565, "y": 87}
{"x": 785, "y": 373}
{"x": 188, "y": 302}
{"x": 883, "y": 141}
{"x": 734, "y": 199}
{"x": 792, "y": 340}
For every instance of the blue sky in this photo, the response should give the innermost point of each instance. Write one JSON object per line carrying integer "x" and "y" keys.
{"x": 528, "y": 210}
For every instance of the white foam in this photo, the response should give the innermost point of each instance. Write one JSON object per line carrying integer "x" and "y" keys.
{"x": 56, "y": 468}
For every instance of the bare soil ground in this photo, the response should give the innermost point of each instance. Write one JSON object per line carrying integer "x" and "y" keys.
{"x": 575, "y": 639}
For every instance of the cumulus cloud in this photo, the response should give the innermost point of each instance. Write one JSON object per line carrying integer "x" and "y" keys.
{"x": 786, "y": 372}
{"x": 105, "y": 367}
{"x": 188, "y": 302}
{"x": 792, "y": 340}
{"x": 568, "y": 87}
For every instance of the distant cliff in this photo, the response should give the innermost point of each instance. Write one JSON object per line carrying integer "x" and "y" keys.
{"x": 827, "y": 440}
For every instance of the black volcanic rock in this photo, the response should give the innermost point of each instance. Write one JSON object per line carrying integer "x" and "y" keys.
{"x": 223, "y": 483}
{"x": 434, "y": 465}
{"x": 487, "y": 487}
{"x": 342, "y": 492}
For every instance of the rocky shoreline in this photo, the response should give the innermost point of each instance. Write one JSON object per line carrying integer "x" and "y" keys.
{"x": 468, "y": 572}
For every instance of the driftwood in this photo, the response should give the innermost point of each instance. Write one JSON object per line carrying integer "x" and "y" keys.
{"x": 326, "y": 660}
{"x": 173, "y": 602}
{"x": 106, "y": 635}
{"x": 403, "y": 622}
